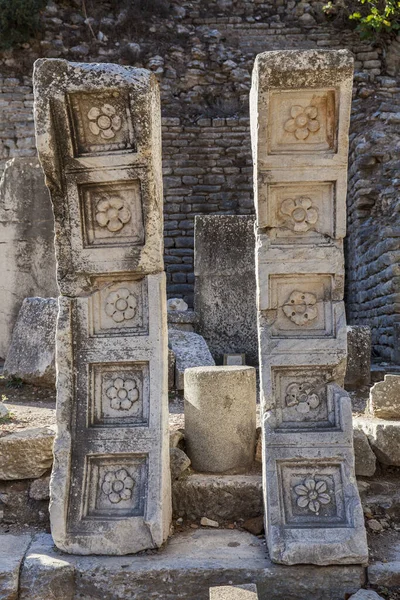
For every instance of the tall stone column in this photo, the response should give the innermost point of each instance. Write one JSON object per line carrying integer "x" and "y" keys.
{"x": 300, "y": 109}
{"x": 98, "y": 137}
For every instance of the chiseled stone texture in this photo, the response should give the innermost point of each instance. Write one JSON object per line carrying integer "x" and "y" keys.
{"x": 384, "y": 438}
{"x": 300, "y": 112}
{"x": 220, "y": 497}
{"x": 98, "y": 136}
{"x": 234, "y": 592}
{"x": 191, "y": 563}
{"x": 31, "y": 356}
{"x": 12, "y": 551}
{"x": 225, "y": 286}
{"x": 190, "y": 350}
{"x": 220, "y": 418}
{"x": 358, "y": 370}
{"x": 26, "y": 454}
{"x": 27, "y": 261}
{"x": 365, "y": 459}
{"x": 366, "y": 595}
{"x": 384, "y": 398}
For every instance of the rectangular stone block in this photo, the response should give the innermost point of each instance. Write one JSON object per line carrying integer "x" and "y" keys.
{"x": 98, "y": 133}
{"x": 300, "y": 109}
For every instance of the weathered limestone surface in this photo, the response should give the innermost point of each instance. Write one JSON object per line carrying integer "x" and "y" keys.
{"x": 366, "y": 595}
{"x": 190, "y": 350}
{"x": 220, "y": 418}
{"x": 384, "y": 438}
{"x": 26, "y": 454}
{"x": 225, "y": 287}
{"x": 27, "y": 261}
{"x": 300, "y": 109}
{"x": 384, "y": 398}
{"x": 31, "y": 355}
{"x": 98, "y": 137}
{"x": 12, "y": 551}
{"x": 236, "y": 592}
{"x": 358, "y": 371}
{"x": 191, "y": 563}
{"x": 365, "y": 459}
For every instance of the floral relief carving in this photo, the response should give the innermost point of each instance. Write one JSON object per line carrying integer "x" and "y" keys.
{"x": 302, "y": 397}
{"x": 118, "y": 485}
{"x": 121, "y": 305}
{"x": 311, "y": 494}
{"x": 302, "y": 215}
{"x": 301, "y": 307}
{"x": 303, "y": 121}
{"x": 104, "y": 121}
{"x": 122, "y": 393}
{"x": 112, "y": 213}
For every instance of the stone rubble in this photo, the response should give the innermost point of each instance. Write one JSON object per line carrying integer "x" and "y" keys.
{"x": 384, "y": 398}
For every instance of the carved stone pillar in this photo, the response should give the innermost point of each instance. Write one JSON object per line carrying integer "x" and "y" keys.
{"x": 300, "y": 109}
{"x": 98, "y": 137}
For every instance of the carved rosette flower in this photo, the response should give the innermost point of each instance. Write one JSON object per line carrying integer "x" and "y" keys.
{"x": 112, "y": 213}
{"x": 303, "y": 121}
{"x": 122, "y": 393}
{"x": 301, "y": 307}
{"x": 311, "y": 494}
{"x": 121, "y": 305}
{"x": 104, "y": 121}
{"x": 300, "y": 212}
{"x": 118, "y": 485}
{"x": 301, "y": 397}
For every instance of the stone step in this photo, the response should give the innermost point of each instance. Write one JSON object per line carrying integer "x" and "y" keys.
{"x": 189, "y": 564}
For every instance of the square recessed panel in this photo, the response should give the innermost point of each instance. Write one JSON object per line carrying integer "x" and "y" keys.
{"x": 302, "y": 121}
{"x": 119, "y": 394}
{"x": 312, "y": 494}
{"x": 303, "y": 305}
{"x": 112, "y": 214}
{"x": 115, "y": 486}
{"x": 101, "y": 122}
{"x": 301, "y": 212}
{"x": 302, "y": 399}
{"x": 119, "y": 308}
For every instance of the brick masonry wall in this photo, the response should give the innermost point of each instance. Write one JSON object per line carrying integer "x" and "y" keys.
{"x": 202, "y": 53}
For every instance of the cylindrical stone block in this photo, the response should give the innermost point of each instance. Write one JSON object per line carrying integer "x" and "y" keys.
{"x": 220, "y": 418}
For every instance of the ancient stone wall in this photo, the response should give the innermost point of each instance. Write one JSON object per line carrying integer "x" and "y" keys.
{"x": 202, "y": 53}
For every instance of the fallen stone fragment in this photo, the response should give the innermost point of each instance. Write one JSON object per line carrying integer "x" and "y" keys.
{"x": 175, "y": 437}
{"x": 234, "y": 592}
{"x": 384, "y": 398}
{"x": 205, "y": 522}
{"x": 12, "y": 551}
{"x": 179, "y": 462}
{"x": 190, "y": 350}
{"x": 31, "y": 356}
{"x": 374, "y": 525}
{"x": 384, "y": 438}
{"x": 384, "y": 574}
{"x": 254, "y": 525}
{"x": 365, "y": 459}
{"x": 40, "y": 488}
{"x": 366, "y": 595}
{"x": 4, "y": 412}
{"x": 27, "y": 454}
{"x": 176, "y": 304}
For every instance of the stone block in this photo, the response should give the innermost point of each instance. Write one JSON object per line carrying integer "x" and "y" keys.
{"x": 182, "y": 320}
{"x": 194, "y": 562}
{"x": 384, "y": 438}
{"x": 365, "y": 459}
{"x": 31, "y": 355}
{"x": 12, "y": 551}
{"x": 366, "y": 595}
{"x": 26, "y": 454}
{"x": 225, "y": 286}
{"x": 358, "y": 371}
{"x": 27, "y": 261}
{"x": 221, "y": 497}
{"x": 384, "y": 398}
{"x": 190, "y": 350}
{"x": 234, "y": 592}
{"x": 99, "y": 142}
{"x": 220, "y": 418}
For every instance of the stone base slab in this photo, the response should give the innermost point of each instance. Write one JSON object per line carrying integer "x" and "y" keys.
{"x": 12, "y": 551}
{"x": 187, "y": 566}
